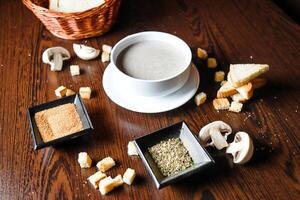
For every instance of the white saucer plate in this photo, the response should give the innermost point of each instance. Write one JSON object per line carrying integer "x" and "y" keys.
{"x": 113, "y": 89}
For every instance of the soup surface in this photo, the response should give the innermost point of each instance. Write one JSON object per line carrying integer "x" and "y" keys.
{"x": 151, "y": 60}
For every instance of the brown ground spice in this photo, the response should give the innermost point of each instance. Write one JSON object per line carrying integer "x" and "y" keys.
{"x": 57, "y": 122}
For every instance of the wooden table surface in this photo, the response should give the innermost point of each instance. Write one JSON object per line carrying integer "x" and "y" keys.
{"x": 233, "y": 31}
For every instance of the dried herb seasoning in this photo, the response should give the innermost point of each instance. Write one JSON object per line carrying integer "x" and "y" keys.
{"x": 171, "y": 156}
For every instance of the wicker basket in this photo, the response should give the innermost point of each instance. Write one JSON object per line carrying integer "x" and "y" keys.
{"x": 78, "y": 25}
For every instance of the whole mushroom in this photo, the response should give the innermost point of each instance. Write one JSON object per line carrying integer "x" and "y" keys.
{"x": 217, "y": 131}
{"x": 55, "y": 57}
{"x": 241, "y": 148}
{"x": 85, "y": 52}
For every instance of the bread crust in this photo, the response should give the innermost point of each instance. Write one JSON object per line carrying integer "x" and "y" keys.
{"x": 258, "y": 83}
{"x": 236, "y": 107}
{"x": 221, "y": 104}
{"x": 240, "y": 82}
{"x": 246, "y": 91}
{"x": 226, "y": 90}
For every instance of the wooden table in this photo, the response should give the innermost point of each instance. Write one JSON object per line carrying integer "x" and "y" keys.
{"x": 232, "y": 31}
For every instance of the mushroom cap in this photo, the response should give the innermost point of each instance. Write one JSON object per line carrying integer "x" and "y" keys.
{"x": 48, "y": 54}
{"x": 241, "y": 148}
{"x": 216, "y": 126}
{"x": 85, "y": 52}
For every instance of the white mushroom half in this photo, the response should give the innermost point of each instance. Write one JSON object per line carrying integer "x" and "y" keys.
{"x": 217, "y": 131}
{"x": 55, "y": 57}
{"x": 241, "y": 148}
{"x": 85, "y": 52}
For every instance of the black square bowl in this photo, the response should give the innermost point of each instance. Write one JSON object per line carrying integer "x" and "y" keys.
{"x": 200, "y": 156}
{"x": 38, "y": 142}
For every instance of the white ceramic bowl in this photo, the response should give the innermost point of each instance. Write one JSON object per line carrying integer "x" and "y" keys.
{"x": 152, "y": 88}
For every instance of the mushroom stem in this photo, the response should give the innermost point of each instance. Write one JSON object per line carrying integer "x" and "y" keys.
{"x": 55, "y": 56}
{"x": 234, "y": 147}
{"x": 217, "y": 131}
{"x": 57, "y": 63}
{"x": 241, "y": 148}
{"x": 218, "y": 140}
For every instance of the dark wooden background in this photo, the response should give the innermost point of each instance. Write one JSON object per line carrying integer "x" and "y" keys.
{"x": 236, "y": 31}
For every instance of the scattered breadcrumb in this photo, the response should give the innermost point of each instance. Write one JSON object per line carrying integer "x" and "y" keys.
{"x": 221, "y": 104}
{"x": 212, "y": 63}
{"x": 129, "y": 176}
{"x": 131, "y": 149}
{"x": 105, "y": 164}
{"x": 201, "y": 53}
{"x": 61, "y": 91}
{"x": 85, "y": 92}
{"x": 200, "y": 98}
{"x": 236, "y": 107}
{"x": 69, "y": 92}
{"x": 106, "y": 48}
{"x": 95, "y": 178}
{"x": 84, "y": 160}
{"x": 104, "y": 57}
{"x": 75, "y": 70}
{"x": 108, "y": 184}
{"x": 219, "y": 76}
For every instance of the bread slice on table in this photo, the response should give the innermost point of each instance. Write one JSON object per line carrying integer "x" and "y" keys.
{"x": 238, "y": 98}
{"x": 240, "y": 74}
{"x": 258, "y": 83}
{"x": 246, "y": 91}
{"x": 226, "y": 90}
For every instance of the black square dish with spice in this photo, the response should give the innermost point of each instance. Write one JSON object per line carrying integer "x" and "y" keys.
{"x": 172, "y": 153}
{"x": 62, "y": 119}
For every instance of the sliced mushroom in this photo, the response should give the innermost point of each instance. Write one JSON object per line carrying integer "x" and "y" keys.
{"x": 217, "y": 131}
{"x": 85, "y": 52}
{"x": 55, "y": 57}
{"x": 241, "y": 148}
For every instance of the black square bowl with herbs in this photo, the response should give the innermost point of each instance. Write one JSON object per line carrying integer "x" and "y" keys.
{"x": 172, "y": 153}
{"x": 81, "y": 110}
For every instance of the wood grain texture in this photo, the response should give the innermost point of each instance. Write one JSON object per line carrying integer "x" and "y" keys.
{"x": 233, "y": 31}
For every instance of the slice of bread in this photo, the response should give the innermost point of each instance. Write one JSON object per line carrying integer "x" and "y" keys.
{"x": 240, "y": 74}
{"x": 258, "y": 83}
{"x": 223, "y": 82}
{"x": 246, "y": 91}
{"x": 68, "y": 6}
{"x": 221, "y": 104}
{"x": 226, "y": 90}
{"x": 238, "y": 98}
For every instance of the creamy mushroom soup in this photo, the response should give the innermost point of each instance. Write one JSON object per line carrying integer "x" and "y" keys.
{"x": 151, "y": 60}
